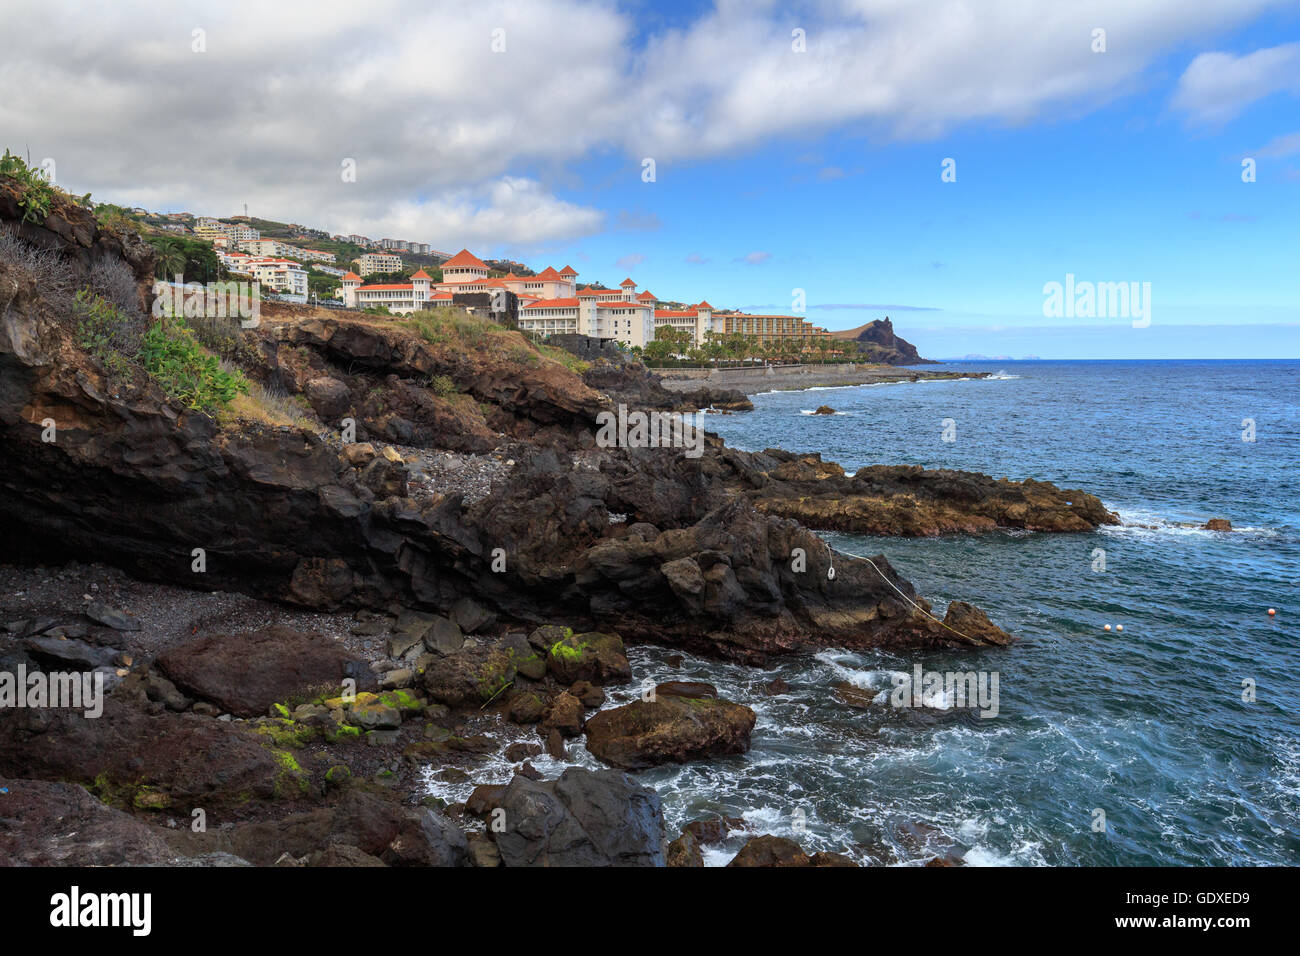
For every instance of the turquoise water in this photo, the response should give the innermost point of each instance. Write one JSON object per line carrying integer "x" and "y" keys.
{"x": 1147, "y": 725}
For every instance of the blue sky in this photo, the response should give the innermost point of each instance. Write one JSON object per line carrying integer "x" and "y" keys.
{"x": 1126, "y": 191}
{"x": 519, "y": 129}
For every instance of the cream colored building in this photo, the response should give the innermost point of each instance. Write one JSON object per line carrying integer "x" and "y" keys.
{"x": 373, "y": 262}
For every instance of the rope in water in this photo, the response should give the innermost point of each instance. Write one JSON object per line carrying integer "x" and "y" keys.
{"x": 909, "y": 600}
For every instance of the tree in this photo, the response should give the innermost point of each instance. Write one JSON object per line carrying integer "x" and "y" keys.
{"x": 171, "y": 258}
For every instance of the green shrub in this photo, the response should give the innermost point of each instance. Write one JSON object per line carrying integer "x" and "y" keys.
{"x": 185, "y": 371}
{"x": 442, "y": 386}
{"x": 37, "y": 191}
{"x": 106, "y": 332}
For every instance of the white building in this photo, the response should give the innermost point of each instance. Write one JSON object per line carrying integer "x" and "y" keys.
{"x": 373, "y": 262}
{"x": 281, "y": 275}
{"x": 398, "y": 297}
{"x": 206, "y": 227}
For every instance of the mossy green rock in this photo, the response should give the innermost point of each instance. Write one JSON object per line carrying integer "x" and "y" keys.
{"x": 593, "y": 656}
{"x": 470, "y": 677}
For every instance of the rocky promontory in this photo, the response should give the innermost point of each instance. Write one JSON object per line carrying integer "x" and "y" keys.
{"x": 436, "y": 483}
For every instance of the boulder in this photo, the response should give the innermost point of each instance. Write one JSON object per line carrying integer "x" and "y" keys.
{"x": 443, "y": 636}
{"x": 669, "y": 730}
{"x": 526, "y": 707}
{"x": 685, "y": 851}
{"x": 471, "y": 616}
{"x": 824, "y": 410}
{"x": 134, "y": 759}
{"x": 469, "y": 677}
{"x": 528, "y": 661}
{"x": 594, "y": 656}
{"x": 112, "y": 617}
{"x": 564, "y": 715}
{"x": 329, "y": 397}
{"x": 1218, "y": 524}
{"x": 427, "y": 838}
{"x": 685, "y": 688}
{"x": 771, "y": 851}
{"x": 974, "y": 625}
{"x": 60, "y": 824}
{"x": 62, "y": 653}
{"x": 585, "y": 818}
{"x": 245, "y": 674}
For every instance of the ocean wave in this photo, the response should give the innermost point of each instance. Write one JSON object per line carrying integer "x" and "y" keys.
{"x": 1141, "y": 522}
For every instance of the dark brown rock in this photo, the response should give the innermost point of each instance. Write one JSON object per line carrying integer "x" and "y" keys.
{"x": 684, "y": 851}
{"x": 771, "y": 851}
{"x": 668, "y": 730}
{"x": 245, "y": 674}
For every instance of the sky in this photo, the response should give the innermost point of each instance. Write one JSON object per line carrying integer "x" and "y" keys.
{"x": 940, "y": 163}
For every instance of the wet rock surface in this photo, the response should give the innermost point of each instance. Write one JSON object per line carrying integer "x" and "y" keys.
{"x": 670, "y": 729}
{"x": 584, "y": 818}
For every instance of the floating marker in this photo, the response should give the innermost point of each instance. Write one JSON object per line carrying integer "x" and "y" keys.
{"x": 1119, "y": 627}
{"x": 1272, "y": 611}
{"x": 1108, "y": 627}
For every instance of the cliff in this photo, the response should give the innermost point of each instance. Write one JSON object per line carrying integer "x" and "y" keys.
{"x": 878, "y": 342}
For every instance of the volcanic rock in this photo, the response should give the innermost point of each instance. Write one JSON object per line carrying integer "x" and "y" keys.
{"x": 246, "y": 673}
{"x": 585, "y": 818}
{"x": 668, "y": 730}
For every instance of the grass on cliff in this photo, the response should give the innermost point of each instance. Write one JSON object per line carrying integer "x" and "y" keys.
{"x": 459, "y": 329}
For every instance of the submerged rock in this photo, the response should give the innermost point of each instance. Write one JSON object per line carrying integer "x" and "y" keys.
{"x": 1218, "y": 524}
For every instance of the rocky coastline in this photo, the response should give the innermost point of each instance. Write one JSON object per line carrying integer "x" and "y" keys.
{"x": 431, "y": 545}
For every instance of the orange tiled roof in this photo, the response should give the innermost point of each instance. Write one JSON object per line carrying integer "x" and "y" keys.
{"x": 553, "y": 304}
{"x": 568, "y": 271}
{"x": 421, "y": 275}
{"x": 647, "y": 294}
{"x": 625, "y": 283}
{"x": 548, "y": 273}
{"x": 466, "y": 259}
{"x": 352, "y": 275}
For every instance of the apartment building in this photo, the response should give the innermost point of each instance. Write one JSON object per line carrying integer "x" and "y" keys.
{"x": 373, "y": 262}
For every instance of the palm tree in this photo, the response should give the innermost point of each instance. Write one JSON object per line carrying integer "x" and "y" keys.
{"x": 171, "y": 257}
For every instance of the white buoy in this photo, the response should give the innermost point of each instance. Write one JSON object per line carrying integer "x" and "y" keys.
{"x": 1119, "y": 627}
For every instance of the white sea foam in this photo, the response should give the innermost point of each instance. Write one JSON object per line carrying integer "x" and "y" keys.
{"x": 1141, "y": 523}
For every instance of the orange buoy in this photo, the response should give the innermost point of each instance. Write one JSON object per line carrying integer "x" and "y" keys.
{"x": 1108, "y": 627}
{"x": 1272, "y": 611}
{"x": 1119, "y": 627}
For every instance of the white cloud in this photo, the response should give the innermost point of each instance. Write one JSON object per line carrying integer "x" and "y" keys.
{"x": 1216, "y": 87}
{"x": 1281, "y": 146}
{"x": 458, "y": 145}
{"x": 630, "y": 261}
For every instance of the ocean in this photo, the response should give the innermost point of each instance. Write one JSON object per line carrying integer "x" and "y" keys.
{"x": 1132, "y": 747}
